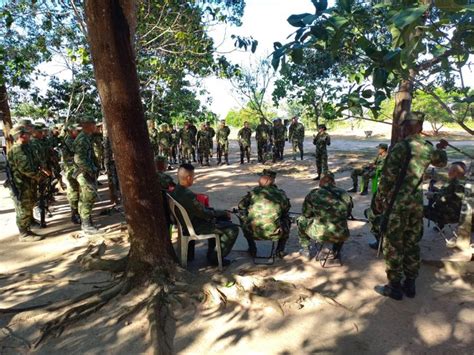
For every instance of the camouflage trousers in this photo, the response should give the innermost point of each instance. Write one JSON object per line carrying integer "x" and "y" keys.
{"x": 279, "y": 148}
{"x": 261, "y": 149}
{"x": 284, "y": 232}
{"x": 223, "y": 148}
{"x": 321, "y": 162}
{"x": 187, "y": 152}
{"x": 203, "y": 153}
{"x": 87, "y": 195}
{"x": 366, "y": 175}
{"x": 400, "y": 244}
{"x": 244, "y": 152}
{"x": 72, "y": 191}
{"x": 24, "y": 206}
{"x": 309, "y": 229}
{"x": 297, "y": 147}
{"x": 228, "y": 233}
{"x": 165, "y": 151}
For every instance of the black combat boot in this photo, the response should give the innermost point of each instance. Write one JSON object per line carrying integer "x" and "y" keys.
{"x": 354, "y": 188}
{"x": 392, "y": 290}
{"x": 28, "y": 236}
{"x": 301, "y": 154}
{"x": 75, "y": 218}
{"x": 88, "y": 228}
{"x": 317, "y": 177}
{"x": 409, "y": 288}
{"x": 241, "y": 158}
{"x": 336, "y": 250}
{"x": 280, "y": 249}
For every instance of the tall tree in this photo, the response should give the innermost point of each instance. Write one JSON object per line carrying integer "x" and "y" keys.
{"x": 111, "y": 27}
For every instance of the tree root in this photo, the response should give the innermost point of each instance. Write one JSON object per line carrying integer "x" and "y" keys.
{"x": 162, "y": 325}
{"x": 91, "y": 259}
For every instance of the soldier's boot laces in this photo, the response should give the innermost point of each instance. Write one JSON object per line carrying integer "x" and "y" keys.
{"x": 88, "y": 228}
{"x": 75, "y": 218}
{"x": 29, "y": 236}
{"x": 392, "y": 290}
{"x": 409, "y": 288}
{"x": 354, "y": 188}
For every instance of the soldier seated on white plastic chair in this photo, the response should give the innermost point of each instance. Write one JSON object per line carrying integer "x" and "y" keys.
{"x": 204, "y": 220}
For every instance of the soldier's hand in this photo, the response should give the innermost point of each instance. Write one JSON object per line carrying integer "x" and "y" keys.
{"x": 443, "y": 143}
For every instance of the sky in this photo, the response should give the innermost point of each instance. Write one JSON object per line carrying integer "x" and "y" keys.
{"x": 265, "y": 21}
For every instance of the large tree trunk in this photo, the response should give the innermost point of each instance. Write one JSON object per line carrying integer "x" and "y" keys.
{"x": 110, "y": 25}
{"x": 403, "y": 99}
{"x": 6, "y": 115}
{"x": 112, "y": 179}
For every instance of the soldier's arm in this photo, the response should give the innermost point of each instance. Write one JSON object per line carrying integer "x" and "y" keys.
{"x": 21, "y": 163}
{"x": 308, "y": 207}
{"x": 81, "y": 158}
{"x": 391, "y": 169}
{"x": 245, "y": 202}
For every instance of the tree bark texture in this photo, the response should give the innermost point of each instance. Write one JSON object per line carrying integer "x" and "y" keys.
{"x": 6, "y": 115}
{"x": 403, "y": 100}
{"x": 110, "y": 25}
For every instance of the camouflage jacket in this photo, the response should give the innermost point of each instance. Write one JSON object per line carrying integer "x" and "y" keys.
{"x": 165, "y": 180}
{"x": 222, "y": 135}
{"x": 204, "y": 139}
{"x": 379, "y": 162}
{"x": 212, "y": 132}
{"x": 23, "y": 165}
{"x": 449, "y": 199}
{"x": 67, "y": 151}
{"x": 263, "y": 132}
{"x": 410, "y": 194}
{"x": 321, "y": 141}
{"x": 327, "y": 208}
{"x": 84, "y": 157}
{"x": 194, "y": 131}
{"x": 186, "y": 137}
{"x": 153, "y": 134}
{"x": 244, "y": 136}
{"x": 279, "y": 133}
{"x": 296, "y": 132}
{"x": 263, "y": 210}
{"x": 164, "y": 139}
{"x": 40, "y": 150}
{"x": 174, "y": 137}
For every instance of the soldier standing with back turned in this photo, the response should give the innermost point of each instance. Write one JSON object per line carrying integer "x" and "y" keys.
{"x": 263, "y": 136}
{"x": 244, "y": 136}
{"x": 321, "y": 141}
{"x": 400, "y": 198}
{"x": 296, "y": 137}
{"x": 222, "y": 138}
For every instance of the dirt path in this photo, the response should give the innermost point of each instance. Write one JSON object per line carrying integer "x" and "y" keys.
{"x": 331, "y": 310}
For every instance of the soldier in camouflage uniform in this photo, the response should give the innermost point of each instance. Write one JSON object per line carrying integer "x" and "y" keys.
{"x": 165, "y": 180}
{"x": 174, "y": 144}
{"x": 222, "y": 138}
{"x": 98, "y": 143}
{"x": 264, "y": 214}
{"x": 296, "y": 136}
{"x": 279, "y": 138}
{"x": 205, "y": 220}
{"x": 204, "y": 142}
{"x": 244, "y": 136}
{"x": 86, "y": 174}
{"x": 368, "y": 171}
{"x": 212, "y": 134}
{"x": 321, "y": 141}
{"x": 26, "y": 174}
{"x": 186, "y": 136}
{"x": 164, "y": 143}
{"x": 67, "y": 150}
{"x": 404, "y": 227}
{"x": 194, "y": 130}
{"x": 153, "y": 134}
{"x": 324, "y": 216}
{"x": 447, "y": 201}
{"x": 263, "y": 136}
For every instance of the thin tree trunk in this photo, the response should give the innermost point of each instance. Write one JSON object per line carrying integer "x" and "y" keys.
{"x": 403, "y": 100}
{"x": 6, "y": 115}
{"x": 109, "y": 163}
{"x": 110, "y": 25}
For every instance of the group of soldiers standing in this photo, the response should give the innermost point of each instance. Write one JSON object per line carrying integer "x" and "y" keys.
{"x": 34, "y": 167}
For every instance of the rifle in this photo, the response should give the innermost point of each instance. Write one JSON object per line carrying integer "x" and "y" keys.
{"x": 10, "y": 182}
{"x": 396, "y": 190}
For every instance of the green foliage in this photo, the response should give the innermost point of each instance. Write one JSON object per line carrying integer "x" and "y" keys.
{"x": 236, "y": 118}
{"x": 384, "y": 44}
{"x": 30, "y": 111}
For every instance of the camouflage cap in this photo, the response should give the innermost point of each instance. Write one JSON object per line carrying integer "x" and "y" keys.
{"x": 39, "y": 126}
{"x": 85, "y": 119}
{"x": 322, "y": 126}
{"x": 382, "y": 146}
{"x": 414, "y": 116}
{"x": 19, "y": 129}
{"x": 269, "y": 172}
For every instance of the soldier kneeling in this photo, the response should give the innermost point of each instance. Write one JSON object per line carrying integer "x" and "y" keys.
{"x": 324, "y": 216}
{"x": 264, "y": 214}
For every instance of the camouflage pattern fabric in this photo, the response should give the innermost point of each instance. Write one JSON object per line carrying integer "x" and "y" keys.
{"x": 164, "y": 143}
{"x": 244, "y": 135}
{"x": 265, "y": 213}
{"x": 324, "y": 217}
{"x": 222, "y": 138}
{"x": 204, "y": 141}
{"x": 367, "y": 172}
{"x": 405, "y": 223}
{"x": 279, "y": 137}
{"x": 40, "y": 149}
{"x": 174, "y": 144}
{"x": 153, "y": 134}
{"x": 321, "y": 141}
{"x": 262, "y": 136}
{"x": 186, "y": 136}
{"x": 26, "y": 176}
{"x": 296, "y": 137}
{"x": 447, "y": 203}
{"x": 72, "y": 191}
{"x": 165, "y": 180}
{"x": 212, "y": 134}
{"x": 86, "y": 174}
{"x": 98, "y": 146}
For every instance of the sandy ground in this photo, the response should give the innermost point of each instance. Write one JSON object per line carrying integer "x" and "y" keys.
{"x": 440, "y": 320}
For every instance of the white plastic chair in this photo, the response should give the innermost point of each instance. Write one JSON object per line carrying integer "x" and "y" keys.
{"x": 184, "y": 239}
